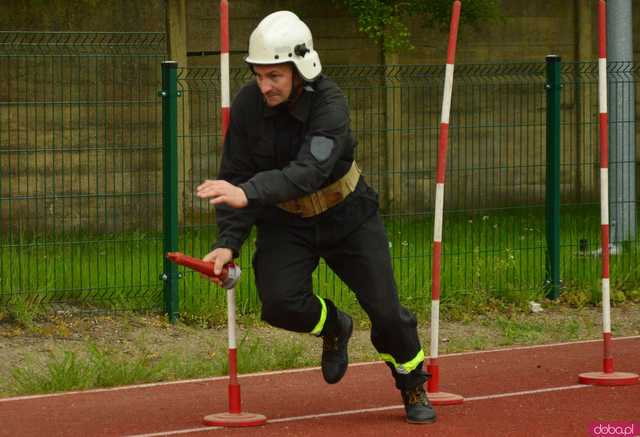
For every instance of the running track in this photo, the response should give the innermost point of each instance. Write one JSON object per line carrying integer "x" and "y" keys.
{"x": 529, "y": 391}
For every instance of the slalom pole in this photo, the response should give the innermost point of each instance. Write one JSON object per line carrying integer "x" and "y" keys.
{"x": 225, "y": 93}
{"x": 433, "y": 392}
{"x": 234, "y": 417}
{"x": 607, "y": 376}
{"x": 229, "y": 277}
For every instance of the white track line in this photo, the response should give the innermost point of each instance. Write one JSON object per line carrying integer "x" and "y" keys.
{"x": 541, "y": 346}
{"x": 288, "y": 371}
{"x": 367, "y": 410}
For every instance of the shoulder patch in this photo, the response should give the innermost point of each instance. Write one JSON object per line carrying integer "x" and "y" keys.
{"x": 321, "y": 147}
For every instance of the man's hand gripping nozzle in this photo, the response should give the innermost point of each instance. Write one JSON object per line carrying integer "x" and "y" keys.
{"x": 228, "y": 277}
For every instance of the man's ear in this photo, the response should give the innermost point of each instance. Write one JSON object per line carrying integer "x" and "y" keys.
{"x": 296, "y": 79}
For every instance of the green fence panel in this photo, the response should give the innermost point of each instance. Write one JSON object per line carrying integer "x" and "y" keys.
{"x": 495, "y": 241}
{"x": 80, "y": 164}
{"x": 580, "y": 183}
{"x": 81, "y": 176}
{"x": 552, "y": 195}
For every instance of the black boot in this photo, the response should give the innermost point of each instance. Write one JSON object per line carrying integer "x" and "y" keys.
{"x": 417, "y": 406}
{"x": 335, "y": 358}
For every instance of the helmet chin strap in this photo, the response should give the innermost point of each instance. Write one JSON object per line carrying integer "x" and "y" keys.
{"x": 296, "y": 86}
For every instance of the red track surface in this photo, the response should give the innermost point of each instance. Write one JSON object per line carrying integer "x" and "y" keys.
{"x": 365, "y": 403}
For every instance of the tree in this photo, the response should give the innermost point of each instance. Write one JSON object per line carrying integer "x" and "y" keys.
{"x": 385, "y": 21}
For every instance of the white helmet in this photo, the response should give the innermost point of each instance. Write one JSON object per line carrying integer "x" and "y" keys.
{"x": 282, "y": 37}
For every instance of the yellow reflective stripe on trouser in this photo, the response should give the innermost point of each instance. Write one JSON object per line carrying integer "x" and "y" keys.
{"x": 323, "y": 318}
{"x": 405, "y": 368}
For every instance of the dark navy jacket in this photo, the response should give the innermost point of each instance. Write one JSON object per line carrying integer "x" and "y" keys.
{"x": 268, "y": 153}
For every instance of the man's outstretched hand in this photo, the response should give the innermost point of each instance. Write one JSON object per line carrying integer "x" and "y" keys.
{"x": 219, "y": 257}
{"x": 219, "y": 191}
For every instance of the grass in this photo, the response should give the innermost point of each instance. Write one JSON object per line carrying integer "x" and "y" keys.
{"x": 492, "y": 259}
{"x": 104, "y": 365}
{"x": 126, "y": 350}
{"x": 67, "y": 370}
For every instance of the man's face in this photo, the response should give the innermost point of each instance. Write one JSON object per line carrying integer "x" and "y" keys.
{"x": 275, "y": 82}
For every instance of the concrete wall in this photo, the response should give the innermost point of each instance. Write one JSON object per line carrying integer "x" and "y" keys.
{"x": 82, "y": 15}
{"x": 94, "y": 185}
{"x": 530, "y": 29}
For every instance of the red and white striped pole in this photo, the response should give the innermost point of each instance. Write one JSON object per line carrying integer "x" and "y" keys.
{"x": 607, "y": 376}
{"x": 435, "y": 395}
{"x": 234, "y": 417}
{"x": 225, "y": 93}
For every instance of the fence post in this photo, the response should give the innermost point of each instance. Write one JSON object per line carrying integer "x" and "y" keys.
{"x": 169, "y": 95}
{"x": 552, "y": 198}
{"x": 392, "y": 199}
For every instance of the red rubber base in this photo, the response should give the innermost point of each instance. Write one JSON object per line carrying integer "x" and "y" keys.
{"x": 235, "y": 419}
{"x": 442, "y": 398}
{"x": 613, "y": 378}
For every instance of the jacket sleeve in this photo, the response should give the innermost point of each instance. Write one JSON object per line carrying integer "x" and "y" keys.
{"x": 236, "y": 167}
{"x": 328, "y": 138}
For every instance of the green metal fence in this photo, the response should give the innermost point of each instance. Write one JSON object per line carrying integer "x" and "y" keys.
{"x": 580, "y": 179}
{"x": 495, "y": 239}
{"x": 81, "y": 175}
{"x": 80, "y": 161}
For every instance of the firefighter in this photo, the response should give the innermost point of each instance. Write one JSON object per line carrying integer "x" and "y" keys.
{"x": 288, "y": 168}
